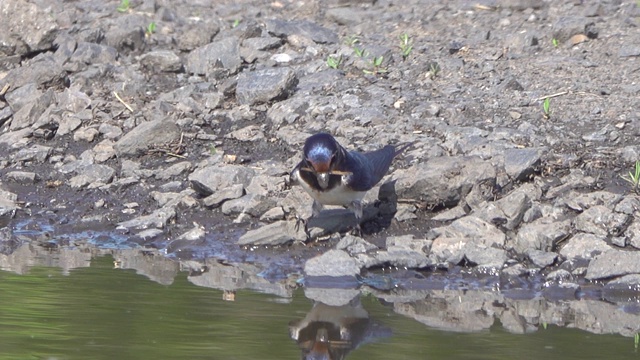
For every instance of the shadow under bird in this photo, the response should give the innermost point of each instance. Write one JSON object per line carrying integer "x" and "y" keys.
{"x": 334, "y": 176}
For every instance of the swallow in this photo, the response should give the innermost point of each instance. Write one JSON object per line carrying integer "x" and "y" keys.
{"x": 334, "y": 176}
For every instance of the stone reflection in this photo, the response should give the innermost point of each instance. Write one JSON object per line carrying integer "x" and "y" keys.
{"x": 333, "y": 331}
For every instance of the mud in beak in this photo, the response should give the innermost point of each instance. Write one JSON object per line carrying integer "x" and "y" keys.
{"x": 323, "y": 179}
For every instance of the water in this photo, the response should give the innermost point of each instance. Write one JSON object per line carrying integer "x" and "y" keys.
{"x": 99, "y": 312}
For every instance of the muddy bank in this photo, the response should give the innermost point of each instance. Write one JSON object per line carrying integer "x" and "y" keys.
{"x": 174, "y": 126}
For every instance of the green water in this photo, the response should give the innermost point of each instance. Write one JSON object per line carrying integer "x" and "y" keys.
{"x": 104, "y": 313}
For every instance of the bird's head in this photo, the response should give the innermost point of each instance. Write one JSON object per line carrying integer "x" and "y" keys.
{"x": 321, "y": 152}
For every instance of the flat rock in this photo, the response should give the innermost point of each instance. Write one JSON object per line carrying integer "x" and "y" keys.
{"x": 633, "y": 233}
{"x": 157, "y": 219}
{"x": 8, "y": 203}
{"x": 332, "y": 263}
{"x": 173, "y": 170}
{"x": 474, "y": 228}
{"x": 31, "y": 112}
{"x": 541, "y": 234}
{"x": 208, "y": 180}
{"x": 614, "y": 263}
{"x": 332, "y": 221}
{"x": 223, "y": 55}
{"x": 252, "y": 204}
{"x": 161, "y": 60}
{"x": 92, "y": 174}
{"x": 265, "y": 85}
{"x": 37, "y": 153}
{"x": 308, "y": 29}
{"x": 278, "y": 233}
{"x": 22, "y": 177}
{"x": 520, "y": 164}
{"x": 580, "y": 201}
{"x": 585, "y": 246}
{"x": 542, "y": 258}
{"x": 354, "y": 244}
{"x": 127, "y": 32}
{"x": 28, "y": 27}
{"x": 443, "y": 180}
{"x": 41, "y": 70}
{"x": 601, "y": 220}
{"x": 147, "y": 135}
{"x": 87, "y": 53}
{"x": 220, "y": 196}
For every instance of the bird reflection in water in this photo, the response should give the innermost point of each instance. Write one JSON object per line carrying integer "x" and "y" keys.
{"x": 331, "y": 332}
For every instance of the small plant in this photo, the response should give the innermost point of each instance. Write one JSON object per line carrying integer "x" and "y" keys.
{"x": 406, "y": 45}
{"x": 376, "y": 63}
{"x": 634, "y": 177}
{"x": 360, "y": 52}
{"x": 151, "y": 29}
{"x": 334, "y": 61}
{"x": 434, "y": 69}
{"x": 555, "y": 42}
{"x": 636, "y": 341}
{"x": 124, "y": 6}
{"x": 544, "y": 325}
{"x": 352, "y": 40}
{"x": 546, "y": 108}
{"x": 235, "y": 23}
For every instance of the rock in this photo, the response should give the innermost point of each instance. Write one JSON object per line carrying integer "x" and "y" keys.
{"x": 8, "y": 204}
{"x": 157, "y": 219}
{"x": 628, "y": 284}
{"x": 41, "y": 70}
{"x": 173, "y": 170}
{"x": 73, "y": 100}
{"x": 208, "y": 180}
{"x": 402, "y": 258}
{"x": 252, "y": 204}
{"x": 109, "y": 131}
{"x": 541, "y": 234}
{"x": 337, "y": 220}
{"x": 29, "y": 27}
{"x": 278, "y": 233}
{"x": 127, "y": 32}
{"x": 87, "y": 53}
{"x": 633, "y": 233}
{"x": 22, "y": 96}
{"x": 600, "y": 220}
{"x": 484, "y": 256}
{"x": 147, "y": 135}
{"x": 22, "y": 177}
{"x": 273, "y": 214}
{"x": 451, "y": 214}
{"x": 567, "y": 26}
{"x": 521, "y": 164}
{"x": 354, "y": 245}
{"x": 229, "y": 193}
{"x": 307, "y": 29}
{"x": 161, "y": 61}
{"x": 85, "y": 134}
{"x": 104, "y": 151}
{"x": 197, "y": 36}
{"x": 248, "y": 133}
{"x": 333, "y": 263}
{"x": 614, "y": 263}
{"x": 92, "y": 174}
{"x": 265, "y": 85}
{"x": 629, "y": 205}
{"x": 514, "y": 206}
{"x": 584, "y": 246}
{"x": 196, "y": 233}
{"x": 443, "y": 180}
{"x": 262, "y": 43}
{"x": 579, "y": 201}
{"x": 473, "y": 228}
{"x": 211, "y": 59}
{"x": 542, "y": 258}
{"x": 31, "y": 112}
{"x": 37, "y": 153}
{"x": 345, "y": 15}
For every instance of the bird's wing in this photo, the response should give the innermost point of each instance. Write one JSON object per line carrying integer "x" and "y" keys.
{"x": 380, "y": 161}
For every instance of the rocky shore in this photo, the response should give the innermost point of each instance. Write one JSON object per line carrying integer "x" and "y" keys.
{"x": 173, "y": 126}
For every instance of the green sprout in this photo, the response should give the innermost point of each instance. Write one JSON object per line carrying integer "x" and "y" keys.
{"x": 352, "y": 40}
{"x": 376, "y": 63}
{"x": 151, "y": 28}
{"x": 546, "y": 108}
{"x": 334, "y": 61}
{"x": 124, "y": 6}
{"x": 235, "y": 23}
{"x": 544, "y": 325}
{"x": 555, "y": 42}
{"x": 636, "y": 337}
{"x": 634, "y": 177}
{"x": 406, "y": 45}
{"x": 434, "y": 69}
{"x": 360, "y": 52}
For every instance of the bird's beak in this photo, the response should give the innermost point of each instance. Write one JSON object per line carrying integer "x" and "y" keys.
{"x": 323, "y": 179}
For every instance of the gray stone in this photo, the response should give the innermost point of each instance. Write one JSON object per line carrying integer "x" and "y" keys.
{"x": 345, "y": 15}
{"x": 628, "y": 50}
{"x": 22, "y": 177}
{"x": 247, "y": 133}
{"x": 266, "y": 185}
{"x": 161, "y": 61}
{"x": 580, "y": 201}
{"x": 514, "y": 206}
{"x": 8, "y": 204}
{"x": 220, "y": 196}
{"x": 354, "y": 245}
{"x": 29, "y": 27}
{"x": 265, "y": 85}
{"x": 147, "y": 135}
{"x": 278, "y": 233}
{"x": 127, "y": 32}
{"x": 402, "y": 258}
{"x": 567, "y": 26}
{"x": 633, "y": 233}
{"x": 542, "y": 258}
{"x": 308, "y": 29}
{"x": 85, "y": 134}
{"x": 173, "y": 170}
{"x": 196, "y": 233}
{"x": 484, "y": 256}
{"x": 31, "y": 112}
{"x": 23, "y": 95}
{"x": 87, "y": 53}
{"x": 614, "y": 263}
{"x": 600, "y": 220}
{"x": 262, "y": 43}
{"x": 110, "y": 131}
{"x": 252, "y": 204}
{"x": 197, "y": 36}
{"x": 443, "y": 180}
{"x": 332, "y": 263}
{"x": 68, "y": 124}
{"x": 104, "y": 151}
{"x": 273, "y": 214}
{"x": 208, "y": 180}
{"x": 584, "y": 246}
{"x": 157, "y": 219}
{"x": 452, "y": 214}
{"x": 629, "y": 205}
{"x": 73, "y": 100}
{"x": 37, "y": 153}
{"x": 90, "y": 174}
{"x": 217, "y": 56}
{"x": 41, "y": 70}
{"x": 520, "y": 164}
{"x": 541, "y": 234}
{"x": 337, "y": 220}
{"x": 472, "y": 227}
{"x": 626, "y": 284}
